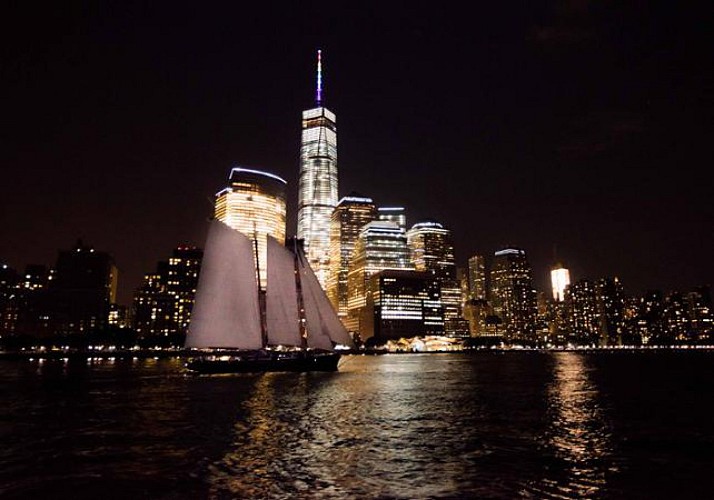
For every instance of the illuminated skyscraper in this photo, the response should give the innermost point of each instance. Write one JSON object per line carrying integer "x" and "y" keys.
{"x": 317, "y": 189}
{"x": 348, "y": 218}
{"x": 477, "y": 277}
{"x": 560, "y": 279}
{"x": 393, "y": 214}
{"x": 381, "y": 245}
{"x": 581, "y": 300}
{"x": 512, "y": 294}
{"x": 254, "y": 204}
{"x": 432, "y": 250}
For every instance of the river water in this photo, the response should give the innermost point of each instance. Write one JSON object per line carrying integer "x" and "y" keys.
{"x": 481, "y": 425}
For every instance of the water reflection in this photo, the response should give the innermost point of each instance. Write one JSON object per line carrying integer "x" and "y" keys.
{"x": 578, "y": 442}
{"x": 375, "y": 429}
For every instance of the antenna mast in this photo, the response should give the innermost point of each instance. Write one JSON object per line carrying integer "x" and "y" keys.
{"x": 319, "y": 79}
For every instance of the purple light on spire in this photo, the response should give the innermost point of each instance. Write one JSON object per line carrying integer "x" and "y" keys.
{"x": 319, "y": 77}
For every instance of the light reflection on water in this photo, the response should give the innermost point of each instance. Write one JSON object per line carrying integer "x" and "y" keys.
{"x": 578, "y": 435}
{"x": 482, "y": 425}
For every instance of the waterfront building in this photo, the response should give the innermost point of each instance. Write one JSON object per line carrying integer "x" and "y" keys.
{"x": 611, "y": 310}
{"x": 81, "y": 290}
{"x": 398, "y": 215}
{"x": 317, "y": 184}
{"x": 432, "y": 250}
{"x": 477, "y": 277}
{"x": 675, "y": 320}
{"x": 699, "y": 309}
{"x": 513, "y": 296}
{"x": 650, "y": 318}
{"x": 402, "y": 304}
{"x": 24, "y": 302}
{"x": 381, "y": 245}
{"x": 582, "y": 307}
{"x": 254, "y": 204}
{"x": 559, "y": 279}
{"x": 163, "y": 303}
{"x": 476, "y": 311}
{"x": 349, "y": 217}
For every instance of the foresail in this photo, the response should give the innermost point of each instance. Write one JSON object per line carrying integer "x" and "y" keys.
{"x": 226, "y": 312}
{"x": 323, "y": 325}
{"x": 281, "y": 306}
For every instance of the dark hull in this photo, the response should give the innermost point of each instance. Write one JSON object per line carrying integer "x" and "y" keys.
{"x": 318, "y": 362}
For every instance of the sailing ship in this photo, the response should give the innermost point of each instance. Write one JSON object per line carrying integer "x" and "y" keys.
{"x": 238, "y": 327}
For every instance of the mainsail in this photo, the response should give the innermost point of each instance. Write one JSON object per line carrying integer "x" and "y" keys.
{"x": 281, "y": 305}
{"x": 226, "y": 313}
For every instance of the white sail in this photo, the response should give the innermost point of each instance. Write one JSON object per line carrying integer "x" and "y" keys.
{"x": 323, "y": 325}
{"x": 226, "y": 312}
{"x": 281, "y": 305}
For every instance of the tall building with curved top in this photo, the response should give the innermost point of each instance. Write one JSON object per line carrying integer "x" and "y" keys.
{"x": 317, "y": 184}
{"x": 254, "y": 204}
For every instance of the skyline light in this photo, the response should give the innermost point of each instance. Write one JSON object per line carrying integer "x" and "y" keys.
{"x": 544, "y": 137}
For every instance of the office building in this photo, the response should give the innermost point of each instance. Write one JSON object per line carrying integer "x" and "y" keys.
{"x": 317, "y": 184}
{"x": 512, "y": 295}
{"x": 81, "y": 290}
{"x": 432, "y": 250}
{"x": 402, "y": 304}
{"x": 393, "y": 214}
{"x": 381, "y": 245}
{"x": 254, "y": 204}
{"x": 477, "y": 277}
{"x": 351, "y": 214}
{"x": 559, "y": 279}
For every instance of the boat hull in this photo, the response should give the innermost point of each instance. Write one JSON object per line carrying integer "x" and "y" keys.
{"x": 322, "y": 362}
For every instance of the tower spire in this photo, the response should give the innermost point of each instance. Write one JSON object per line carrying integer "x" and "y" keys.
{"x": 319, "y": 78}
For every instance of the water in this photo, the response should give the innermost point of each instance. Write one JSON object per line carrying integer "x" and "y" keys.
{"x": 485, "y": 425}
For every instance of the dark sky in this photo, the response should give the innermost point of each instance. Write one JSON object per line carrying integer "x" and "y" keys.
{"x": 579, "y": 127}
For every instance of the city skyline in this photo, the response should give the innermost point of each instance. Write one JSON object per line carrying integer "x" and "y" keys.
{"x": 564, "y": 126}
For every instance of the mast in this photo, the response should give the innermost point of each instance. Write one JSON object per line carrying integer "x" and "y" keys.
{"x": 261, "y": 294}
{"x": 300, "y": 300}
{"x": 318, "y": 96}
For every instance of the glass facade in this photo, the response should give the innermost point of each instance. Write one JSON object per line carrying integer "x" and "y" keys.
{"x": 432, "y": 251}
{"x": 348, "y": 219}
{"x": 254, "y": 204}
{"x": 559, "y": 279}
{"x": 317, "y": 187}
{"x": 477, "y": 277}
{"x": 403, "y": 304}
{"x": 513, "y": 296}
{"x": 381, "y": 245}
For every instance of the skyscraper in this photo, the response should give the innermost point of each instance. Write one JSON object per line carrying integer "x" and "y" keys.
{"x": 477, "y": 277}
{"x": 254, "y": 204}
{"x": 381, "y": 245}
{"x": 82, "y": 289}
{"x": 512, "y": 294}
{"x": 559, "y": 279}
{"x": 432, "y": 250}
{"x": 348, "y": 218}
{"x": 317, "y": 184}
{"x": 393, "y": 214}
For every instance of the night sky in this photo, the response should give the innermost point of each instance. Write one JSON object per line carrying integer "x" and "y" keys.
{"x": 574, "y": 129}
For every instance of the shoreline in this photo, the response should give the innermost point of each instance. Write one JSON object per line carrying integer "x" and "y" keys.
{"x": 69, "y": 354}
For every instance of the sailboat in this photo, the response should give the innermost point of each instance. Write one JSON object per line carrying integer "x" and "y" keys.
{"x": 237, "y": 327}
